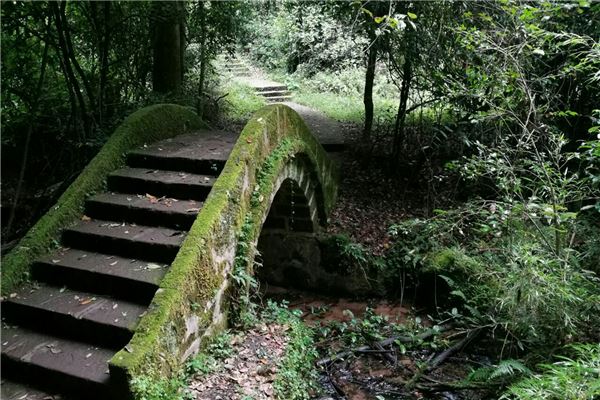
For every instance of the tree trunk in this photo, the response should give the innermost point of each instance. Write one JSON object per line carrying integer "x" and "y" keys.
{"x": 33, "y": 117}
{"x": 67, "y": 32}
{"x": 103, "y": 43}
{"x": 399, "y": 135}
{"x": 368, "y": 93}
{"x": 66, "y": 61}
{"x": 200, "y": 107}
{"x": 167, "y": 46}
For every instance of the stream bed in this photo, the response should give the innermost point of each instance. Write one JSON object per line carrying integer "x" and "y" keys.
{"x": 395, "y": 371}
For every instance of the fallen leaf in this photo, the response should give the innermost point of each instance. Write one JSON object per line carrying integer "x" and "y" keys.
{"x": 87, "y": 301}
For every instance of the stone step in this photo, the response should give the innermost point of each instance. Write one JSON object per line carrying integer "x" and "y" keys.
{"x": 72, "y": 313}
{"x": 100, "y": 273}
{"x": 204, "y": 152}
{"x": 143, "y": 209}
{"x": 123, "y": 239}
{"x": 10, "y": 390}
{"x": 275, "y": 93}
{"x": 56, "y": 363}
{"x": 278, "y": 99}
{"x": 175, "y": 184}
{"x": 271, "y": 88}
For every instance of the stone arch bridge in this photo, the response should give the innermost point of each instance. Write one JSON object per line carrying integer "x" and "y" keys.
{"x": 131, "y": 269}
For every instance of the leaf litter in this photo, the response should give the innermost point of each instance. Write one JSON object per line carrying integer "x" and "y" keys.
{"x": 250, "y": 369}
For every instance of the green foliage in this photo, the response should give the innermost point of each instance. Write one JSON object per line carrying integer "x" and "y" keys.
{"x": 296, "y": 375}
{"x": 291, "y": 35}
{"x": 505, "y": 370}
{"x": 497, "y": 266}
{"x": 572, "y": 378}
{"x": 241, "y": 101}
{"x": 209, "y": 360}
{"x": 146, "y": 388}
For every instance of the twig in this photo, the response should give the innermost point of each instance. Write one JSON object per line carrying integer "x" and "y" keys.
{"x": 471, "y": 335}
{"x": 403, "y": 339}
{"x": 429, "y": 365}
{"x": 386, "y": 354}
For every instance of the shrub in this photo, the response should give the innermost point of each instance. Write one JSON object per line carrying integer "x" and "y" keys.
{"x": 575, "y": 378}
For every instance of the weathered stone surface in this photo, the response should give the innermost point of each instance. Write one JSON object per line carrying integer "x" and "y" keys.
{"x": 72, "y": 363}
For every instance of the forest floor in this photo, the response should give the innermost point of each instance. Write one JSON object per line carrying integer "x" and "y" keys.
{"x": 357, "y": 356}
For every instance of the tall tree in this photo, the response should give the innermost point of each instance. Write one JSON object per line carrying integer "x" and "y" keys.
{"x": 168, "y": 45}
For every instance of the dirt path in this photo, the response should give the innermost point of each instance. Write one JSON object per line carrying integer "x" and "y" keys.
{"x": 249, "y": 370}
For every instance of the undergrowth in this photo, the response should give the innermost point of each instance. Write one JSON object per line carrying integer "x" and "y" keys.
{"x": 570, "y": 378}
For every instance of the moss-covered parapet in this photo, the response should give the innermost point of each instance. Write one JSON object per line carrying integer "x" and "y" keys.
{"x": 147, "y": 125}
{"x": 191, "y": 304}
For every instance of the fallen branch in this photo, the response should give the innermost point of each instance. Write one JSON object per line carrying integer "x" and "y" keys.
{"x": 440, "y": 358}
{"x": 386, "y": 354}
{"x": 403, "y": 339}
{"x": 455, "y": 348}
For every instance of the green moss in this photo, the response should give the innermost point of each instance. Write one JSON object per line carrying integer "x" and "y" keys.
{"x": 144, "y": 126}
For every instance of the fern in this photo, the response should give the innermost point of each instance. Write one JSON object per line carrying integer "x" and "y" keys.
{"x": 505, "y": 369}
{"x": 509, "y": 368}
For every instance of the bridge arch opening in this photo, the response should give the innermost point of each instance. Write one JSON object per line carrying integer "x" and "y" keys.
{"x": 288, "y": 247}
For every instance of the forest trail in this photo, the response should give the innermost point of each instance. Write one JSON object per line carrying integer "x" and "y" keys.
{"x": 327, "y": 130}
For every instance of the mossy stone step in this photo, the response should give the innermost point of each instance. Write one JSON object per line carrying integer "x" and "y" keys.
{"x": 278, "y": 99}
{"x": 15, "y": 391}
{"x": 144, "y": 209}
{"x": 275, "y": 93}
{"x": 174, "y": 184}
{"x": 270, "y": 88}
{"x": 101, "y": 273}
{"x": 73, "y": 313}
{"x": 128, "y": 240}
{"x": 56, "y": 363}
{"x": 204, "y": 152}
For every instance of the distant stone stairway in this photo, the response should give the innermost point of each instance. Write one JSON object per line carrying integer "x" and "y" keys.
{"x": 237, "y": 67}
{"x": 273, "y": 92}
{"x": 86, "y": 298}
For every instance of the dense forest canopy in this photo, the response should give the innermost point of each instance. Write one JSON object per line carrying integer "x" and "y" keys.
{"x": 488, "y": 112}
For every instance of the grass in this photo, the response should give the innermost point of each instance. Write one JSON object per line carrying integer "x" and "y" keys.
{"x": 345, "y": 108}
{"x": 338, "y": 96}
{"x": 241, "y": 101}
